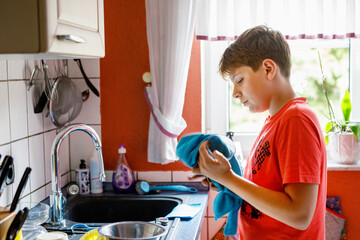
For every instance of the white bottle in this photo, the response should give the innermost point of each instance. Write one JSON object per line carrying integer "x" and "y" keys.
{"x": 82, "y": 178}
{"x": 96, "y": 185}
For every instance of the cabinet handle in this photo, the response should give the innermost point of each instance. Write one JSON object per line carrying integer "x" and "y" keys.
{"x": 71, "y": 38}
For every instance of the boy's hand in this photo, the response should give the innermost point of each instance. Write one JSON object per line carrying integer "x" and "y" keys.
{"x": 215, "y": 168}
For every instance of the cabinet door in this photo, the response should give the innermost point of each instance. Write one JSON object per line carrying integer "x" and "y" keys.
{"x": 80, "y": 13}
{"x": 73, "y": 27}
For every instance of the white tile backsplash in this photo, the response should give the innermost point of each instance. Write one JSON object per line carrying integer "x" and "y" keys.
{"x": 36, "y": 154}
{"x": 18, "y": 110}
{"x": 28, "y": 137}
{"x": 39, "y": 195}
{"x": 20, "y": 153}
{"x": 84, "y": 147}
{"x": 183, "y": 176}
{"x": 91, "y": 107}
{"x": 6, "y": 196}
{"x": 155, "y": 176}
{"x": 16, "y": 69}
{"x": 91, "y": 68}
{"x": 4, "y": 113}
{"x": 3, "y": 70}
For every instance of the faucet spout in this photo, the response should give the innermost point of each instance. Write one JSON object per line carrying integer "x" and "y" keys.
{"x": 56, "y": 198}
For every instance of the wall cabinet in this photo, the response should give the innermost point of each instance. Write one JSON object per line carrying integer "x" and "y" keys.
{"x": 52, "y": 29}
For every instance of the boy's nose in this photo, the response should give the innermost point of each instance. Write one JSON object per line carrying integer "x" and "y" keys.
{"x": 236, "y": 94}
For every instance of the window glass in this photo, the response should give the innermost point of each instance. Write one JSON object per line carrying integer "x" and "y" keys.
{"x": 306, "y": 80}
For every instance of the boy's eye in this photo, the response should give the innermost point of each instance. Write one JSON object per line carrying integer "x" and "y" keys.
{"x": 240, "y": 80}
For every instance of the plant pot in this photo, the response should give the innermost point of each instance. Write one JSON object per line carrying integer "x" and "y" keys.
{"x": 343, "y": 147}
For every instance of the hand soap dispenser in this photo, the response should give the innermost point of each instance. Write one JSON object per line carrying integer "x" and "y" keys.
{"x": 82, "y": 178}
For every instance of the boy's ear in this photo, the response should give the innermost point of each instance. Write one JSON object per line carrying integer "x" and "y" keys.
{"x": 270, "y": 68}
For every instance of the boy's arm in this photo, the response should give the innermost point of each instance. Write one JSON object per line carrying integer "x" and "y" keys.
{"x": 294, "y": 207}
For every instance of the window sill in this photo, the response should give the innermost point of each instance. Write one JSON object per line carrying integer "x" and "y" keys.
{"x": 334, "y": 166}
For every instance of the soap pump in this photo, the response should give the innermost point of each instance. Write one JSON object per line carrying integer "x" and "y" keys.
{"x": 82, "y": 178}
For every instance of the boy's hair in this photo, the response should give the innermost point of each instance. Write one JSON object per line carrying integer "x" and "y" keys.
{"x": 252, "y": 47}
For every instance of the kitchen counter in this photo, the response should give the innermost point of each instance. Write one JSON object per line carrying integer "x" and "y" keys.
{"x": 185, "y": 230}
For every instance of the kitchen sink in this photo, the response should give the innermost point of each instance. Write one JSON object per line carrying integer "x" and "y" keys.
{"x": 108, "y": 209}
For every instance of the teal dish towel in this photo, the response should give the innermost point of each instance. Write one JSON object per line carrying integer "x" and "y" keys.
{"x": 226, "y": 201}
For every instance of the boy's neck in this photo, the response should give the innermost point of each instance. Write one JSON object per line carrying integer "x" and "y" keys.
{"x": 282, "y": 94}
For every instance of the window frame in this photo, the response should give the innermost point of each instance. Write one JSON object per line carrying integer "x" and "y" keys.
{"x": 215, "y": 90}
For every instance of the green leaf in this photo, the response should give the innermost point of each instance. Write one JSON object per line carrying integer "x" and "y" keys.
{"x": 328, "y": 128}
{"x": 346, "y": 106}
{"x": 355, "y": 128}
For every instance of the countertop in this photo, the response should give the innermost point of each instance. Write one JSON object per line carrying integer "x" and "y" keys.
{"x": 186, "y": 230}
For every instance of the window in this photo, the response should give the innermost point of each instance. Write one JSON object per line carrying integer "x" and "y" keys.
{"x": 223, "y": 113}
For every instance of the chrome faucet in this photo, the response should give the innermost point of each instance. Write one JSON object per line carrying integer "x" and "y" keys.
{"x": 56, "y": 198}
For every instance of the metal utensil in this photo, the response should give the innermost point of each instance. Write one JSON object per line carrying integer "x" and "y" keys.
{"x": 68, "y": 103}
{"x": 20, "y": 189}
{"x": 6, "y": 172}
{"x": 88, "y": 83}
{"x": 47, "y": 93}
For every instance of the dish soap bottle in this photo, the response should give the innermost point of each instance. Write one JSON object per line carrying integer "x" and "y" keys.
{"x": 96, "y": 185}
{"x": 123, "y": 177}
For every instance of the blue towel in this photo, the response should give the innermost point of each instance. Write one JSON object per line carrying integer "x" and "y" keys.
{"x": 185, "y": 211}
{"x": 226, "y": 201}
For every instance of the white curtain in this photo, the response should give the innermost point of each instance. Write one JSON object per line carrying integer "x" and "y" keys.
{"x": 296, "y": 19}
{"x": 170, "y": 32}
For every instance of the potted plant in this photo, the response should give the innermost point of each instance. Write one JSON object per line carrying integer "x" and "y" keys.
{"x": 342, "y": 135}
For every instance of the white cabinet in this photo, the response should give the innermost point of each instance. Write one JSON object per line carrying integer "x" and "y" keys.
{"x": 52, "y": 29}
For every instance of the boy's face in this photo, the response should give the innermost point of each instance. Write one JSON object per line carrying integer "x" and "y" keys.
{"x": 250, "y": 88}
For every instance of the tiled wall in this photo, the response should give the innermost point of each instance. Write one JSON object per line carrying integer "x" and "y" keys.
{"x": 28, "y": 137}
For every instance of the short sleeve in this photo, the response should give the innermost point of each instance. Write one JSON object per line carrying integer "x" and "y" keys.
{"x": 299, "y": 151}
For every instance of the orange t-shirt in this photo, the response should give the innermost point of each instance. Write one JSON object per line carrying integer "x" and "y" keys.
{"x": 289, "y": 149}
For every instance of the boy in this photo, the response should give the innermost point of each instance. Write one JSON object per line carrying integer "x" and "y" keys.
{"x": 284, "y": 182}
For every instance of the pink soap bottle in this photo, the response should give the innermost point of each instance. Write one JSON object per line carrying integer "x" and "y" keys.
{"x": 123, "y": 177}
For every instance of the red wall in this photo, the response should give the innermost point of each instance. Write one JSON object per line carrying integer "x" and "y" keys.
{"x": 346, "y": 185}
{"x": 124, "y": 112}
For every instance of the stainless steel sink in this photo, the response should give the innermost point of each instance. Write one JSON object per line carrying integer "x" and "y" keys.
{"x": 108, "y": 209}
